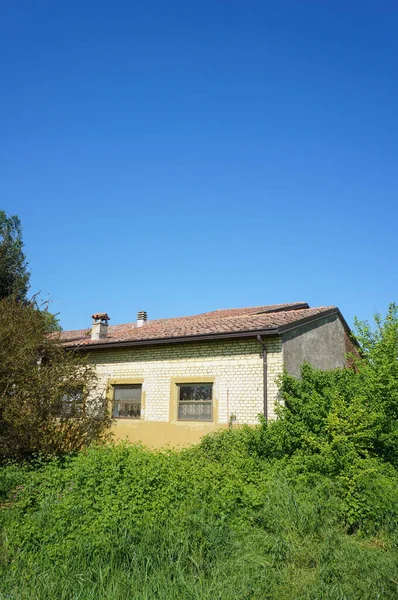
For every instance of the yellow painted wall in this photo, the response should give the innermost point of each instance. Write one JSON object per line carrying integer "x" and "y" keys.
{"x": 157, "y": 434}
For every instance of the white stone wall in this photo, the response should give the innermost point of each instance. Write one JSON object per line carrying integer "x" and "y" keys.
{"x": 236, "y": 366}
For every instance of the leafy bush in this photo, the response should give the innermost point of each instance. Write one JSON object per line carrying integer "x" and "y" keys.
{"x": 39, "y": 388}
{"x": 339, "y": 417}
{"x": 122, "y": 521}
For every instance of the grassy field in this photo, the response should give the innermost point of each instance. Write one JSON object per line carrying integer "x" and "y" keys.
{"x": 218, "y": 521}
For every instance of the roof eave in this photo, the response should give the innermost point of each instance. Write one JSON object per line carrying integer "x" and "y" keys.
{"x": 270, "y": 331}
{"x": 172, "y": 340}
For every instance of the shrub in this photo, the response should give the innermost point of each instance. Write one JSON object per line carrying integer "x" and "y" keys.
{"x": 40, "y": 389}
{"x": 122, "y": 521}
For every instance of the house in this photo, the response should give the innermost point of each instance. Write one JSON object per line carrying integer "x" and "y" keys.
{"x": 174, "y": 380}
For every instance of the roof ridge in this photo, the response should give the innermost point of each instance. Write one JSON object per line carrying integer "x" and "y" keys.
{"x": 284, "y": 308}
{"x": 272, "y": 308}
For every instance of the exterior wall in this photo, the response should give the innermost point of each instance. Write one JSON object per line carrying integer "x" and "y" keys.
{"x": 323, "y": 344}
{"x": 235, "y": 368}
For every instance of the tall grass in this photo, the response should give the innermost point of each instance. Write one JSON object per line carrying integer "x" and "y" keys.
{"x": 214, "y": 522}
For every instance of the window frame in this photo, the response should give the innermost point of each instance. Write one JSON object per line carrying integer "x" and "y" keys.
{"x": 114, "y": 383}
{"x": 175, "y": 382}
{"x": 192, "y": 402}
{"x": 66, "y": 404}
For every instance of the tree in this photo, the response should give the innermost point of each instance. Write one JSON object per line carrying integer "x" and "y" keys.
{"x": 379, "y": 370}
{"x": 52, "y": 322}
{"x": 48, "y": 402}
{"x": 14, "y": 277}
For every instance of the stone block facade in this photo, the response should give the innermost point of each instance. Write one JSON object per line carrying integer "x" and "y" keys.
{"x": 234, "y": 366}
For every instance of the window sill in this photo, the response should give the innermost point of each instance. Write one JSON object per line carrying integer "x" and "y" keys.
{"x": 127, "y": 418}
{"x": 195, "y": 421}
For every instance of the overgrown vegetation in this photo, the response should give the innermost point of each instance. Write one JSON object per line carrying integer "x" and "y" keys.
{"x": 41, "y": 385}
{"x": 304, "y": 508}
{"x": 333, "y": 419}
{"x": 41, "y": 389}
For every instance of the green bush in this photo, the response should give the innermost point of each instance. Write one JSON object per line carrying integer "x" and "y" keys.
{"x": 207, "y": 522}
{"x": 339, "y": 417}
{"x": 41, "y": 388}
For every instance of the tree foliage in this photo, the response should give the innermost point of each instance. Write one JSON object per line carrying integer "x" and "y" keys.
{"x": 52, "y": 322}
{"x": 14, "y": 276}
{"x": 41, "y": 387}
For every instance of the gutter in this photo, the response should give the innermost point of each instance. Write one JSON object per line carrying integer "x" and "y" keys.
{"x": 203, "y": 337}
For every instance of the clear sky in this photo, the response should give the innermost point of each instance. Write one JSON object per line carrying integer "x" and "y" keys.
{"x": 177, "y": 156}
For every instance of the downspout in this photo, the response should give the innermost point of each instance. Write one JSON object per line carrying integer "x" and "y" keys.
{"x": 265, "y": 371}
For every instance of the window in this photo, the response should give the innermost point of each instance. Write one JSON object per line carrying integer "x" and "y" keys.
{"x": 195, "y": 402}
{"x": 127, "y": 401}
{"x": 72, "y": 403}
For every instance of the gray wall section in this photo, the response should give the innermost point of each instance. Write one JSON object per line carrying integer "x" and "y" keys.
{"x": 322, "y": 344}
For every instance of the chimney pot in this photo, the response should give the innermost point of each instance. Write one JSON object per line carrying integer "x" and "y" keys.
{"x": 141, "y": 318}
{"x": 99, "y": 329}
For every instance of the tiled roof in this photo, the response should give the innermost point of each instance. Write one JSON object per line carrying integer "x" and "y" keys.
{"x": 218, "y": 322}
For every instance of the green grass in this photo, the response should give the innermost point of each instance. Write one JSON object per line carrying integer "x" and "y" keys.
{"x": 213, "y": 522}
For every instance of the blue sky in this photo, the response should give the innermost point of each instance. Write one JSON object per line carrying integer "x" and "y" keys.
{"x": 179, "y": 156}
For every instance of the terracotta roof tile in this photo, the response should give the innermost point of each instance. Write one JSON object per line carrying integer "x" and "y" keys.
{"x": 232, "y": 320}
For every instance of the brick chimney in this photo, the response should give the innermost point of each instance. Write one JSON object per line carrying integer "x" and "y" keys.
{"x": 99, "y": 329}
{"x": 141, "y": 318}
